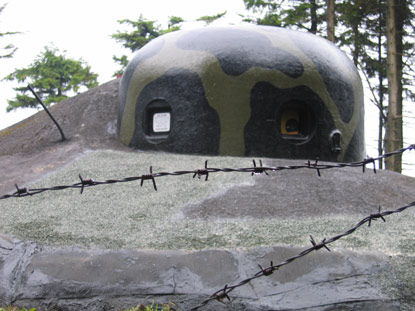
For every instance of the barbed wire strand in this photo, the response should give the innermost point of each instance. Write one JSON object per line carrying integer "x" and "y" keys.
{"x": 224, "y": 292}
{"x": 255, "y": 170}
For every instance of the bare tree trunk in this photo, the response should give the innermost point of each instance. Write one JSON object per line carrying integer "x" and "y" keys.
{"x": 381, "y": 87}
{"x": 355, "y": 45}
{"x": 313, "y": 16}
{"x": 330, "y": 20}
{"x": 393, "y": 133}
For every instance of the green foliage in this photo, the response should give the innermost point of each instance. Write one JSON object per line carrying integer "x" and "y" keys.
{"x": 306, "y": 15}
{"x": 143, "y": 32}
{"x": 361, "y": 32}
{"x": 270, "y": 20}
{"x": 303, "y": 15}
{"x": 209, "y": 19}
{"x": 52, "y": 76}
{"x": 123, "y": 61}
{"x": 269, "y": 12}
{"x": 174, "y": 23}
{"x": 260, "y": 5}
{"x": 355, "y": 16}
{"x": 9, "y": 49}
{"x": 366, "y": 36}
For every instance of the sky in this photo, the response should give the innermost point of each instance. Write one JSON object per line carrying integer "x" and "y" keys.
{"x": 83, "y": 29}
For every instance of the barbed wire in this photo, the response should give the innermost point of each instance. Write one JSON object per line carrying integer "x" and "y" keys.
{"x": 254, "y": 170}
{"x": 224, "y": 292}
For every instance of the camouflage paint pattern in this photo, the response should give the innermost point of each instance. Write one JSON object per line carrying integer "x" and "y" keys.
{"x": 226, "y": 90}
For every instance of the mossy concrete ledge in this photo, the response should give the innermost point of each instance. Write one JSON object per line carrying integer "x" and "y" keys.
{"x": 78, "y": 279}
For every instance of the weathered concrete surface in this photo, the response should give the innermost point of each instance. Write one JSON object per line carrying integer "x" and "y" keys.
{"x": 32, "y": 148}
{"x": 289, "y": 194}
{"x": 63, "y": 251}
{"x": 76, "y": 279}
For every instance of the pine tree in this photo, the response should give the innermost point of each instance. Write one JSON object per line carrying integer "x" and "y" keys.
{"x": 362, "y": 33}
{"x": 52, "y": 76}
{"x": 9, "y": 49}
{"x": 143, "y": 32}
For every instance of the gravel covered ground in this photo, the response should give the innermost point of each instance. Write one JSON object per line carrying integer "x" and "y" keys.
{"x": 125, "y": 215}
{"x": 122, "y": 215}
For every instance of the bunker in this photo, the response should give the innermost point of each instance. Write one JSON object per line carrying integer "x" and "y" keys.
{"x": 243, "y": 91}
{"x": 119, "y": 245}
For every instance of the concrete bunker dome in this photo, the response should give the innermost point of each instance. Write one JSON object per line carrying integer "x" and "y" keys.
{"x": 243, "y": 91}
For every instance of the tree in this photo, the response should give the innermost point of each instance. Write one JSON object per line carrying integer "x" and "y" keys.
{"x": 296, "y": 14}
{"x": 143, "y": 32}
{"x": 52, "y": 76}
{"x": 331, "y": 20}
{"x": 377, "y": 66}
{"x": 9, "y": 49}
{"x": 365, "y": 38}
{"x": 378, "y": 52}
{"x": 269, "y": 11}
{"x": 363, "y": 34}
{"x": 209, "y": 19}
{"x": 396, "y": 14}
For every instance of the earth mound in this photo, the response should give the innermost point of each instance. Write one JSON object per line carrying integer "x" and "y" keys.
{"x": 33, "y": 147}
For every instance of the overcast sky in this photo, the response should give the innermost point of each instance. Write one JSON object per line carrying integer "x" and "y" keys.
{"x": 83, "y": 29}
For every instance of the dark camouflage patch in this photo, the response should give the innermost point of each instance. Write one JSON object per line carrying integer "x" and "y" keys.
{"x": 239, "y": 50}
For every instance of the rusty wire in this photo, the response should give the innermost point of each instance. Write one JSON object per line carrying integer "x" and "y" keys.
{"x": 255, "y": 170}
{"x": 224, "y": 292}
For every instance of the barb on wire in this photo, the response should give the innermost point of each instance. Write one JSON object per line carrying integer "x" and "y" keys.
{"x": 317, "y": 246}
{"x": 376, "y": 216}
{"x": 259, "y": 169}
{"x": 200, "y": 173}
{"x": 314, "y": 166}
{"x": 266, "y": 271}
{"x": 86, "y": 182}
{"x": 149, "y": 177}
{"x": 23, "y": 192}
{"x": 368, "y": 160}
{"x": 224, "y": 292}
